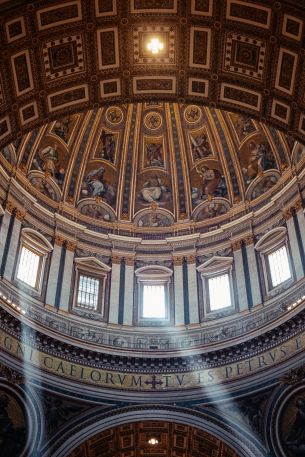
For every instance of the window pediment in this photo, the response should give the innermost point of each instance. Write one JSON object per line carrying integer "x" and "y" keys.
{"x": 271, "y": 239}
{"x": 215, "y": 264}
{"x": 92, "y": 264}
{"x": 36, "y": 241}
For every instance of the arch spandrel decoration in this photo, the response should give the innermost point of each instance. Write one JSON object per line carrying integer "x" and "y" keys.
{"x": 260, "y": 79}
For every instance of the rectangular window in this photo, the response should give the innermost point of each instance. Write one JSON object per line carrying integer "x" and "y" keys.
{"x": 154, "y": 301}
{"x": 219, "y": 292}
{"x": 279, "y": 266}
{"x": 88, "y": 292}
{"x": 28, "y": 268}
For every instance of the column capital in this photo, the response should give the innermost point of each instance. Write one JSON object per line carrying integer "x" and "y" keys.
{"x": 116, "y": 259}
{"x": 58, "y": 240}
{"x": 298, "y": 205}
{"x": 248, "y": 240}
{"x": 129, "y": 261}
{"x": 287, "y": 214}
{"x": 191, "y": 258}
{"x": 20, "y": 215}
{"x": 236, "y": 245}
{"x": 71, "y": 246}
{"x": 9, "y": 206}
{"x": 177, "y": 260}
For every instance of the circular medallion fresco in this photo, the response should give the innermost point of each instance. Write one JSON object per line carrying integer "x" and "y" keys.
{"x": 153, "y": 121}
{"x": 114, "y": 115}
{"x": 192, "y": 114}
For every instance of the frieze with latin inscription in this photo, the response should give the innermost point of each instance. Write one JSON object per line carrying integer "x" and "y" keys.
{"x": 179, "y": 380}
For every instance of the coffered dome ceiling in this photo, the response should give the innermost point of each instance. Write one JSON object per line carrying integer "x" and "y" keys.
{"x": 159, "y": 166}
{"x": 65, "y": 57}
{"x": 173, "y": 440}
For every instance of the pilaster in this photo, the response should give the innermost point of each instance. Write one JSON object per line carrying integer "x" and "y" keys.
{"x": 178, "y": 290}
{"x": 240, "y": 276}
{"x": 14, "y": 245}
{"x": 193, "y": 289}
{"x": 129, "y": 290}
{"x": 114, "y": 289}
{"x": 67, "y": 276}
{"x": 293, "y": 241}
{"x": 53, "y": 273}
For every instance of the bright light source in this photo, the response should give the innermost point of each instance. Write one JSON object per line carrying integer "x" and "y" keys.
{"x": 153, "y": 441}
{"x": 155, "y": 45}
{"x": 154, "y": 305}
{"x": 279, "y": 266}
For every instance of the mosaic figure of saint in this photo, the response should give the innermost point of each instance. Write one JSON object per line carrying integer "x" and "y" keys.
{"x": 200, "y": 146}
{"x": 212, "y": 185}
{"x": 153, "y": 189}
{"x": 97, "y": 186}
{"x": 61, "y": 128}
{"x": 154, "y": 220}
{"x": 260, "y": 159}
{"x": 245, "y": 126}
{"x": 154, "y": 155}
{"x": 107, "y": 151}
{"x": 48, "y": 156}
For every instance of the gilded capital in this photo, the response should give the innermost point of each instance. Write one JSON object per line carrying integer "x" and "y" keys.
{"x": 191, "y": 258}
{"x": 58, "y": 240}
{"x": 236, "y": 245}
{"x": 71, "y": 246}
{"x": 287, "y": 214}
{"x": 20, "y": 215}
{"x": 177, "y": 260}
{"x": 248, "y": 240}
{"x": 298, "y": 205}
{"x": 9, "y": 206}
{"x": 116, "y": 259}
{"x": 129, "y": 261}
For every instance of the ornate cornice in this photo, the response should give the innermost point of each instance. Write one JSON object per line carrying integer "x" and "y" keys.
{"x": 233, "y": 353}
